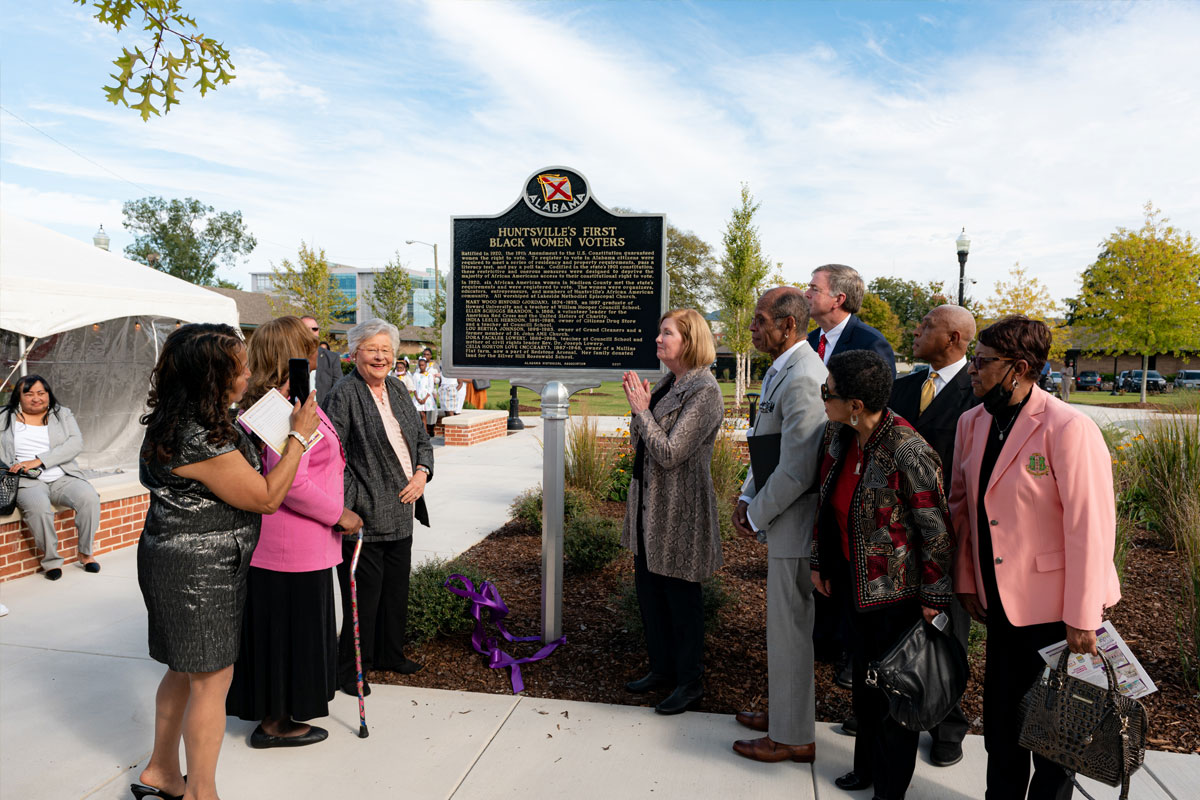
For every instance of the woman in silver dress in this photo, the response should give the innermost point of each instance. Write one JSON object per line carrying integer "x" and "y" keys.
{"x": 206, "y": 500}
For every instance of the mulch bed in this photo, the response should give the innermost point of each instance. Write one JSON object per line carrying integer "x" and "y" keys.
{"x": 601, "y": 653}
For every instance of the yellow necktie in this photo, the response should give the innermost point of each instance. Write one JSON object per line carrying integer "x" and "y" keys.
{"x": 927, "y": 391}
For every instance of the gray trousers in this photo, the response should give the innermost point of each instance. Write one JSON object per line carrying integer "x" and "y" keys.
{"x": 37, "y": 500}
{"x": 790, "y": 690}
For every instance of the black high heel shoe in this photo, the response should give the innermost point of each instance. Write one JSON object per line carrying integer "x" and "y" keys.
{"x": 140, "y": 791}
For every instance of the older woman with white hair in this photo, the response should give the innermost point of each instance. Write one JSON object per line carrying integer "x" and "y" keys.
{"x": 388, "y": 461}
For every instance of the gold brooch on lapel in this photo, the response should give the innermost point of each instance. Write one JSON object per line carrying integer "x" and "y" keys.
{"x": 1037, "y": 465}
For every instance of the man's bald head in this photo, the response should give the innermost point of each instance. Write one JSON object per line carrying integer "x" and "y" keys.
{"x": 944, "y": 335}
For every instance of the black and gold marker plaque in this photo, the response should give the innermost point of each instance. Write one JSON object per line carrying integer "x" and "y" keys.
{"x": 555, "y": 286}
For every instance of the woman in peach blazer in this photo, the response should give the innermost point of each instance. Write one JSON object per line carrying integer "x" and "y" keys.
{"x": 1034, "y": 514}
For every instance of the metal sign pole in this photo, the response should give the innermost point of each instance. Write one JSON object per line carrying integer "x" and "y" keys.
{"x": 556, "y": 406}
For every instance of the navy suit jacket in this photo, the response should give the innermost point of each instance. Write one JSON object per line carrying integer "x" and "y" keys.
{"x": 940, "y": 421}
{"x": 858, "y": 335}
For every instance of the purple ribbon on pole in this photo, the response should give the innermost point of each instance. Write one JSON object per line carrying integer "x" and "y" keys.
{"x": 488, "y": 597}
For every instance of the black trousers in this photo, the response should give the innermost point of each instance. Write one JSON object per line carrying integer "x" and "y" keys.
{"x": 382, "y": 583}
{"x": 673, "y": 620}
{"x": 884, "y": 750}
{"x": 1013, "y": 664}
{"x": 955, "y": 726}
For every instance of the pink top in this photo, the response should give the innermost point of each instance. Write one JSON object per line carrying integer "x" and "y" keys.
{"x": 299, "y": 537}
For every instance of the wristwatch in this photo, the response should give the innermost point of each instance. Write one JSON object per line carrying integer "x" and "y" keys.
{"x": 428, "y": 472}
{"x": 299, "y": 437}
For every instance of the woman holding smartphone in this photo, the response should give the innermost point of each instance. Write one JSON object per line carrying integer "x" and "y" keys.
{"x": 286, "y": 669}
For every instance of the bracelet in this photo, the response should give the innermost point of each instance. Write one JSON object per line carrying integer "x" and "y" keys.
{"x": 428, "y": 472}
{"x": 299, "y": 437}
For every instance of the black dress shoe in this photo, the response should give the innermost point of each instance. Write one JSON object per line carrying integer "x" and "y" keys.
{"x": 852, "y": 782}
{"x": 92, "y": 567}
{"x": 845, "y": 676}
{"x": 53, "y": 574}
{"x": 408, "y": 667}
{"x": 351, "y": 688}
{"x": 649, "y": 683}
{"x": 141, "y": 790}
{"x": 680, "y": 700}
{"x": 261, "y": 740}
{"x": 849, "y": 726}
{"x": 945, "y": 754}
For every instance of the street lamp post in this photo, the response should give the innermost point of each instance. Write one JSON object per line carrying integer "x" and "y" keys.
{"x": 436, "y": 283}
{"x": 963, "y": 244}
{"x": 100, "y": 239}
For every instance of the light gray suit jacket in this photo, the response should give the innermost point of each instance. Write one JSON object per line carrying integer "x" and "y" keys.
{"x": 786, "y": 507}
{"x": 66, "y": 442}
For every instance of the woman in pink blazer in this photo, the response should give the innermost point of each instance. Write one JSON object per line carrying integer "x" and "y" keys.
{"x": 286, "y": 667}
{"x": 1034, "y": 514}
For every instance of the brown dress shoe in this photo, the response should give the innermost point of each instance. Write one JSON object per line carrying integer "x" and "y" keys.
{"x": 754, "y": 720}
{"x": 765, "y": 749}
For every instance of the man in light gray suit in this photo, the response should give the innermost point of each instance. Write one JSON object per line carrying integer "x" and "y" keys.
{"x": 780, "y": 511}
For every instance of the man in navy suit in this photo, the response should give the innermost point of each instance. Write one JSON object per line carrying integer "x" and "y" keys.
{"x": 933, "y": 401}
{"x": 834, "y": 295}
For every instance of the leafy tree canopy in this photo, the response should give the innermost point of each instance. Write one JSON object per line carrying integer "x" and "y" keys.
{"x": 391, "y": 293}
{"x": 691, "y": 268}
{"x": 309, "y": 284}
{"x": 1023, "y": 294}
{"x": 878, "y": 314}
{"x": 1142, "y": 294}
{"x": 152, "y": 73}
{"x": 911, "y": 301}
{"x": 185, "y": 238}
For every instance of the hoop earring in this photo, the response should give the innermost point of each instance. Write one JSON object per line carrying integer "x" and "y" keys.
{"x": 854, "y": 420}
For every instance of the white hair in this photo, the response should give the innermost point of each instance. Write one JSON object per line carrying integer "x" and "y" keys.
{"x": 369, "y": 329}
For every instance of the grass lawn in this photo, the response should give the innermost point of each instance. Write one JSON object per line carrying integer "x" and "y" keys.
{"x": 1176, "y": 399}
{"x": 607, "y": 400}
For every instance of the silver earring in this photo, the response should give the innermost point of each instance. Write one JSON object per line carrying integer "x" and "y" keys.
{"x": 854, "y": 420}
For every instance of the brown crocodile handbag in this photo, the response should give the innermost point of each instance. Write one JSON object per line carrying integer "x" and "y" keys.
{"x": 1094, "y": 731}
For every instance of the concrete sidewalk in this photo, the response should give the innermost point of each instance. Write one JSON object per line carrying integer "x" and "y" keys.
{"x": 77, "y": 706}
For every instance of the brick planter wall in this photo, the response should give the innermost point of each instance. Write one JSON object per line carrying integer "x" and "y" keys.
{"x": 472, "y": 427}
{"x": 123, "y": 507}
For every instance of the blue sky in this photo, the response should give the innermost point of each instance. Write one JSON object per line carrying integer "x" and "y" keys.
{"x": 870, "y": 132}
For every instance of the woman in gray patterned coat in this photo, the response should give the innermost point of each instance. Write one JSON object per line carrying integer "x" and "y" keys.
{"x": 388, "y": 460}
{"x": 671, "y": 516}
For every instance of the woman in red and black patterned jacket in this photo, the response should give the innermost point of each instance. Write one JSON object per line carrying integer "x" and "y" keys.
{"x": 882, "y": 546}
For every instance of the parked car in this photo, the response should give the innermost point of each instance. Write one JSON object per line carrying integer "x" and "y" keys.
{"x": 1187, "y": 379}
{"x": 1133, "y": 381}
{"x": 1057, "y": 378}
{"x": 1088, "y": 381}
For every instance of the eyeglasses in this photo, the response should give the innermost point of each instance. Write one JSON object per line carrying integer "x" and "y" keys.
{"x": 979, "y": 362}
{"x": 315, "y": 329}
{"x": 827, "y": 395}
{"x": 373, "y": 353}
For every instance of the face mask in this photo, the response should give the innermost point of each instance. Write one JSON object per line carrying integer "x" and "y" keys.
{"x": 998, "y": 397}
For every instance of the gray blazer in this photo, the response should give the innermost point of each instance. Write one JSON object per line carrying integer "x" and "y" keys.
{"x": 786, "y": 508}
{"x": 679, "y": 513}
{"x": 66, "y": 442}
{"x": 373, "y": 478}
{"x": 329, "y": 372}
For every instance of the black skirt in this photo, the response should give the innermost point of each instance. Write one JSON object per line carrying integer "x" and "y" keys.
{"x": 287, "y": 663}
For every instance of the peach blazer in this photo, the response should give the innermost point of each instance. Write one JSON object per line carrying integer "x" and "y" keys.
{"x": 1053, "y": 514}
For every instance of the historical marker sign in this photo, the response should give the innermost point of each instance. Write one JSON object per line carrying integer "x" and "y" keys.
{"x": 555, "y": 288}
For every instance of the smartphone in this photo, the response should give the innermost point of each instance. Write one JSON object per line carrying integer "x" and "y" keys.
{"x": 298, "y": 379}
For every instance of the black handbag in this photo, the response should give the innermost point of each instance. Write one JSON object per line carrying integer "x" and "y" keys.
{"x": 482, "y": 384}
{"x": 923, "y": 676}
{"x": 9, "y": 483}
{"x": 1095, "y": 731}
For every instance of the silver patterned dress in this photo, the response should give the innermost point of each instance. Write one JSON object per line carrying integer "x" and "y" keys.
{"x": 193, "y": 558}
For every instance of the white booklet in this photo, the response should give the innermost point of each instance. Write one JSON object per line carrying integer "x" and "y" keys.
{"x": 271, "y": 419}
{"x": 1132, "y": 679}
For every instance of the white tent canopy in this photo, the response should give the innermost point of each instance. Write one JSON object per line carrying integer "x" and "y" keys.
{"x": 50, "y": 283}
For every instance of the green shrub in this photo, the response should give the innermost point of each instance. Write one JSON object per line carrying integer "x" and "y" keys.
{"x": 977, "y": 639}
{"x": 347, "y": 367}
{"x": 591, "y": 542}
{"x": 620, "y": 477}
{"x": 433, "y": 609}
{"x": 714, "y": 596}
{"x": 588, "y": 461}
{"x": 527, "y": 506}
